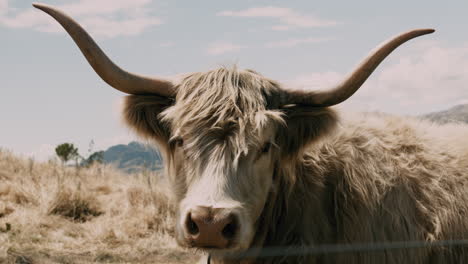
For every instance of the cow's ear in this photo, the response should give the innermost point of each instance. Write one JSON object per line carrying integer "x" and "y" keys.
{"x": 304, "y": 126}
{"x": 141, "y": 113}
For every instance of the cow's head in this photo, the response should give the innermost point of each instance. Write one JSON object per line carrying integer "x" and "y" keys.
{"x": 224, "y": 133}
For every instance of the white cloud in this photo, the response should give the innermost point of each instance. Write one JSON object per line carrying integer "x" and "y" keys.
{"x": 3, "y": 6}
{"x": 425, "y": 77}
{"x": 218, "y": 48}
{"x": 294, "y": 42}
{"x": 287, "y": 17}
{"x": 105, "y": 18}
{"x": 315, "y": 81}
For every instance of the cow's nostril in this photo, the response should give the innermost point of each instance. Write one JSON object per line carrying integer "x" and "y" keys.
{"x": 192, "y": 227}
{"x": 230, "y": 230}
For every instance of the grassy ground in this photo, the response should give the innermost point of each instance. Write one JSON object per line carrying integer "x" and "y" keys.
{"x": 55, "y": 214}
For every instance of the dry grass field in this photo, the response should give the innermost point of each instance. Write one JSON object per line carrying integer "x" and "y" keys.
{"x": 50, "y": 213}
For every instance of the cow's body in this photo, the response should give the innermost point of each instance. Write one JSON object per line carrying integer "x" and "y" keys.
{"x": 255, "y": 165}
{"x": 377, "y": 179}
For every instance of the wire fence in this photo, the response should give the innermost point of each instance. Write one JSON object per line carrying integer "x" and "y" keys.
{"x": 344, "y": 248}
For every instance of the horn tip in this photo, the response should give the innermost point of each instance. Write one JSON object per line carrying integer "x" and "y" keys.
{"x": 421, "y": 31}
{"x": 428, "y": 30}
{"x": 40, "y": 5}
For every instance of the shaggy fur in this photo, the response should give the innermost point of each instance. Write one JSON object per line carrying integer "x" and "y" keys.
{"x": 378, "y": 179}
{"x": 365, "y": 179}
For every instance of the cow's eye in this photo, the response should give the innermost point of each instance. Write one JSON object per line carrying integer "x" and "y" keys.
{"x": 177, "y": 142}
{"x": 266, "y": 147}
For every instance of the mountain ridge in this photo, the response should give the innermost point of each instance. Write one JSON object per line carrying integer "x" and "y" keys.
{"x": 133, "y": 157}
{"x": 455, "y": 114}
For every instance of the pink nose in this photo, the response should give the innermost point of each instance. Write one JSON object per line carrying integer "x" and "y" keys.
{"x": 211, "y": 227}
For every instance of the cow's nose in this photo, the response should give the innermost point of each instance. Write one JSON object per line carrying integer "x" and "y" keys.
{"x": 211, "y": 227}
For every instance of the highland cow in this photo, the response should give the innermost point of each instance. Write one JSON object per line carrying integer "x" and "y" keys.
{"x": 255, "y": 165}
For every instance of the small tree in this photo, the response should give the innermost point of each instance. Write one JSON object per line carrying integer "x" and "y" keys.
{"x": 66, "y": 152}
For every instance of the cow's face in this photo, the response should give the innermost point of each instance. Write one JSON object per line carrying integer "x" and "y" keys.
{"x": 225, "y": 141}
{"x": 222, "y": 184}
{"x": 223, "y": 154}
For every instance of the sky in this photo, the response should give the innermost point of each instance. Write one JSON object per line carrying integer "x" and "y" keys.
{"x": 50, "y": 95}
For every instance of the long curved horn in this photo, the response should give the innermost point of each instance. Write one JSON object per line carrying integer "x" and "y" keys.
{"x": 353, "y": 81}
{"x": 111, "y": 73}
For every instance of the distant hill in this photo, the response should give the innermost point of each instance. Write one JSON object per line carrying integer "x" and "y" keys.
{"x": 457, "y": 114}
{"x": 133, "y": 157}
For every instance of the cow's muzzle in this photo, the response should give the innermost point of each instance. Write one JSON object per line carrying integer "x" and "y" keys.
{"x": 211, "y": 228}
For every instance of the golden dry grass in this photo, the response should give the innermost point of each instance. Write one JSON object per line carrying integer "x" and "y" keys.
{"x": 55, "y": 214}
